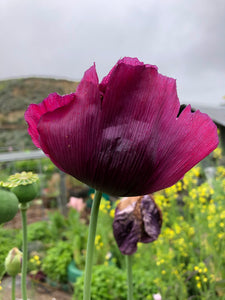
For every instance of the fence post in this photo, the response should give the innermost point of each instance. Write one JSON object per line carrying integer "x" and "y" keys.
{"x": 63, "y": 193}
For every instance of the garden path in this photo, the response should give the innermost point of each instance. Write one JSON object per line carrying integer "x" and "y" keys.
{"x": 34, "y": 291}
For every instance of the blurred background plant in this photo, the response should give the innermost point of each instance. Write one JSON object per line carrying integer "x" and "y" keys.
{"x": 187, "y": 261}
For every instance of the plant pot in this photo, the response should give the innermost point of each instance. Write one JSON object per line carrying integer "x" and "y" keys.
{"x": 73, "y": 272}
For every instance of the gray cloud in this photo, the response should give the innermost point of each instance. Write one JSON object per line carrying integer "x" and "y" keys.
{"x": 185, "y": 39}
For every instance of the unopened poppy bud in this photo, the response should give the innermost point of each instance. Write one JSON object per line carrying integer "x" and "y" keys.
{"x": 137, "y": 219}
{"x": 13, "y": 262}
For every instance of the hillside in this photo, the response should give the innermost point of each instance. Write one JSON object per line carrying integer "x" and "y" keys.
{"x": 15, "y": 96}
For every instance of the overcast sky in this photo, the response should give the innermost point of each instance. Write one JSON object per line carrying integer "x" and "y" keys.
{"x": 62, "y": 38}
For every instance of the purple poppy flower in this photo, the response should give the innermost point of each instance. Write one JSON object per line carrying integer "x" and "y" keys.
{"x": 122, "y": 136}
{"x": 137, "y": 219}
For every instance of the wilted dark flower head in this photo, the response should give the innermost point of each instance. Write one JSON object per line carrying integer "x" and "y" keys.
{"x": 137, "y": 219}
{"x": 122, "y": 136}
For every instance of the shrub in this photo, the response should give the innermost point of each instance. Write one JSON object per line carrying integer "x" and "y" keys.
{"x": 39, "y": 231}
{"x": 109, "y": 283}
{"x": 56, "y": 261}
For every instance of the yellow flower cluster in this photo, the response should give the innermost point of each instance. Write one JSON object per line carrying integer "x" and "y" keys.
{"x": 191, "y": 178}
{"x": 0, "y": 285}
{"x": 220, "y": 172}
{"x": 105, "y": 206}
{"x": 98, "y": 242}
{"x": 201, "y": 274}
{"x": 193, "y": 230}
{"x": 112, "y": 213}
{"x": 35, "y": 260}
{"x": 217, "y": 153}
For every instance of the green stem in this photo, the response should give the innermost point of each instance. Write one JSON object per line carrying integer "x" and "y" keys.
{"x": 129, "y": 277}
{"x": 90, "y": 245}
{"x": 23, "y": 208}
{"x": 13, "y": 287}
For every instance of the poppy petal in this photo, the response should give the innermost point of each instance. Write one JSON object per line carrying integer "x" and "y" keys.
{"x": 152, "y": 219}
{"x": 69, "y": 135}
{"x": 123, "y": 137}
{"x": 126, "y": 228}
{"x": 137, "y": 219}
{"x": 35, "y": 111}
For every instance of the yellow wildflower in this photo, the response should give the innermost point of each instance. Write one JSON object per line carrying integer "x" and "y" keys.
{"x": 112, "y": 213}
{"x": 198, "y": 285}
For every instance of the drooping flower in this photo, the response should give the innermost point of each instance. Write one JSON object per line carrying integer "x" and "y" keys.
{"x": 123, "y": 136}
{"x": 137, "y": 219}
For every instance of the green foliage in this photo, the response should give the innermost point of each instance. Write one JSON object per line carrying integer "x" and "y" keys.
{"x": 109, "y": 283}
{"x": 187, "y": 260}
{"x": 64, "y": 239}
{"x": 8, "y": 240}
{"x": 143, "y": 284}
{"x": 39, "y": 231}
{"x": 56, "y": 261}
{"x": 27, "y": 165}
{"x": 105, "y": 243}
{"x": 77, "y": 234}
{"x": 57, "y": 225}
{"x": 33, "y": 165}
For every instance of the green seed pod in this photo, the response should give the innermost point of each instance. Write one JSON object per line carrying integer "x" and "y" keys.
{"x": 13, "y": 262}
{"x": 24, "y": 185}
{"x": 8, "y": 206}
{"x": 26, "y": 193}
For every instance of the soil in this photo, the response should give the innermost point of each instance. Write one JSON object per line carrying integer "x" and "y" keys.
{"x": 35, "y": 291}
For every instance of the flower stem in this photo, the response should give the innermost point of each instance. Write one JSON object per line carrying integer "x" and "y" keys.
{"x": 13, "y": 287}
{"x": 90, "y": 245}
{"x": 23, "y": 209}
{"x": 129, "y": 277}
